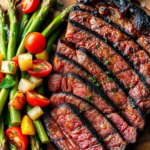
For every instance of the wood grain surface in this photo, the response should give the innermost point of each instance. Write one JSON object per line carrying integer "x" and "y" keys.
{"x": 143, "y": 142}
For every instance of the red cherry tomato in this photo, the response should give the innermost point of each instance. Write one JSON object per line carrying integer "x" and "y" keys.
{"x": 40, "y": 68}
{"x": 29, "y": 6}
{"x": 35, "y": 42}
{"x": 36, "y": 99}
{"x": 1, "y": 76}
{"x": 15, "y": 59}
{"x": 15, "y": 137}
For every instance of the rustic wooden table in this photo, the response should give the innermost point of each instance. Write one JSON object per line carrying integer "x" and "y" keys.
{"x": 143, "y": 142}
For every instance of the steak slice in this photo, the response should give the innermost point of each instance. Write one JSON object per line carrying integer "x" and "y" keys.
{"x": 115, "y": 94}
{"x": 60, "y": 138}
{"x": 72, "y": 122}
{"x": 108, "y": 57}
{"x": 79, "y": 86}
{"x": 126, "y": 16}
{"x": 101, "y": 124}
{"x": 114, "y": 36}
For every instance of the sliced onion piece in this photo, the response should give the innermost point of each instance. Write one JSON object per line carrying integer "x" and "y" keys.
{"x": 35, "y": 113}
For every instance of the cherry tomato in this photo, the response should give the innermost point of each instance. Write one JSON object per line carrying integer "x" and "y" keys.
{"x": 36, "y": 99}
{"x": 29, "y": 6}
{"x": 40, "y": 68}
{"x": 15, "y": 137}
{"x": 15, "y": 59}
{"x": 1, "y": 76}
{"x": 35, "y": 42}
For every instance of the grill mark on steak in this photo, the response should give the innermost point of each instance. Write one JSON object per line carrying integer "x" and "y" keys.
{"x": 90, "y": 63}
{"x": 78, "y": 128}
{"x": 132, "y": 80}
{"x": 104, "y": 126}
{"x": 137, "y": 58}
{"x": 114, "y": 48}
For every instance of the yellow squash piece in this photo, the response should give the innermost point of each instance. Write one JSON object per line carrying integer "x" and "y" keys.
{"x": 27, "y": 126}
{"x": 25, "y": 85}
{"x": 42, "y": 55}
{"x": 25, "y": 61}
{"x": 1, "y": 59}
{"x": 8, "y": 67}
{"x": 35, "y": 113}
{"x": 37, "y": 81}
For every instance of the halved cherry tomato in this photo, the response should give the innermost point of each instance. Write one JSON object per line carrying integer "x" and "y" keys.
{"x": 29, "y": 6}
{"x": 1, "y": 76}
{"x": 40, "y": 68}
{"x": 15, "y": 137}
{"x": 15, "y": 59}
{"x": 36, "y": 99}
{"x": 35, "y": 42}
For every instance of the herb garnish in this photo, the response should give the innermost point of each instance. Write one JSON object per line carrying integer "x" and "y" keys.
{"x": 35, "y": 95}
{"x": 109, "y": 79}
{"x": 27, "y": 76}
{"x": 7, "y": 83}
{"x": 42, "y": 65}
{"x": 10, "y": 67}
{"x": 36, "y": 69}
{"x": 106, "y": 62}
{"x": 80, "y": 111}
{"x": 93, "y": 79}
{"x": 61, "y": 4}
{"x": 88, "y": 97}
{"x": 107, "y": 72}
{"x": 97, "y": 84}
{"x": 130, "y": 86}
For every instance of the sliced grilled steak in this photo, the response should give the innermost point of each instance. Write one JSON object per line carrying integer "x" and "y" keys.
{"x": 108, "y": 57}
{"x": 60, "y": 138}
{"x": 124, "y": 44}
{"x": 126, "y": 16}
{"x": 79, "y": 86}
{"x": 101, "y": 124}
{"x": 116, "y": 95}
{"x": 129, "y": 49}
{"x": 72, "y": 122}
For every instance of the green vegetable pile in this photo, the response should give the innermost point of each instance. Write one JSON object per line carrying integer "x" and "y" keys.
{"x": 13, "y": 45}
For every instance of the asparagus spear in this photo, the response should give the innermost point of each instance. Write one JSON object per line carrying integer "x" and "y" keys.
{"x": 3, "y": 96}
{"x": 15, "y": 115}
{"x": 3, "y": 38}
{"x": 45, "y": 7}
{"x": 2, "y": 133}
{"x": 52, "y": 39}
{"x": 56, "y": 22}
{"x": 35, "y": 143}
{"x": 39, "y": 128}
{"x": 11, "y": 47}
{"x": 13, "y": 29}
{"x": 24, "y": 22}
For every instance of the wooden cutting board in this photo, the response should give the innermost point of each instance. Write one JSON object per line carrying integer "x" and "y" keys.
{"x": 143, "y": 142}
